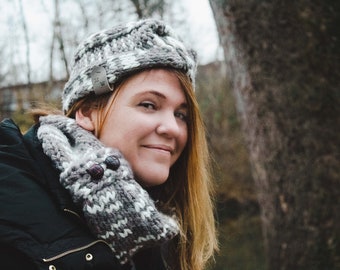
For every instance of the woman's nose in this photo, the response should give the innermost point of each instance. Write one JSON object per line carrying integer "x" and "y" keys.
{"x": 169, "y": 126}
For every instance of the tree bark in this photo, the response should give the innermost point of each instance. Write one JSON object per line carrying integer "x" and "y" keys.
{"x": 283, "y": 61}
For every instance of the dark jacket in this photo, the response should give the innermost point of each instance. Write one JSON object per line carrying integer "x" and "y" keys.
{"x": 40, "y": 227}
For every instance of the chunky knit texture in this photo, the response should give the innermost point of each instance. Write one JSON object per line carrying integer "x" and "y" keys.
{"x": 116, "y": 208}
{"x": 124, "y": 49}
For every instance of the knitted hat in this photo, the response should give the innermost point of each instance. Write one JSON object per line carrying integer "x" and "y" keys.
{"x": 105, "y": 57}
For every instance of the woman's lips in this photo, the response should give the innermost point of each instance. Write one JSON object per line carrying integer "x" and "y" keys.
{"x": 160, "y": 147}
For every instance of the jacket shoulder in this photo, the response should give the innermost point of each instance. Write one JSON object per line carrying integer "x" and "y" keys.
{"x": 10, "y": 133}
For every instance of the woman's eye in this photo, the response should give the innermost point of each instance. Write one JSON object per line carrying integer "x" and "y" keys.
{"x": 148, "y": 105}
{"x": 182, "y": 116}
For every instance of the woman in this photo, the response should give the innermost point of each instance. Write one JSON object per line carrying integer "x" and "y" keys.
{"x": 122, "y": 180}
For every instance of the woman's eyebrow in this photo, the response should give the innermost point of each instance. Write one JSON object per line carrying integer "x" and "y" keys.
{"x": 159, "y": 94}
{"x": 153, "y": 92}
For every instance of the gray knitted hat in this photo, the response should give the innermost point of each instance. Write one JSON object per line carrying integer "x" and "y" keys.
{"x": 105, "y": 57}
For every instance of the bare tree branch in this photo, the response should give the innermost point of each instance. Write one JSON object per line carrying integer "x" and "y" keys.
{"x": 27, "y": 43}
{"x": 59, "y": 36}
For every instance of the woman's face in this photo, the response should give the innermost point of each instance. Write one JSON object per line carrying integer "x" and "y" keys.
{"x": 148, "y": 124}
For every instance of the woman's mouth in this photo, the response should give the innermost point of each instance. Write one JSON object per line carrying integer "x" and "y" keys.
{"x": 160, "y": 147}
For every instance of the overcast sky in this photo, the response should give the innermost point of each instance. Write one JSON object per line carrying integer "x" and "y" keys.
{"x": 203, "y": 27}
{"x": 38, "y": 14}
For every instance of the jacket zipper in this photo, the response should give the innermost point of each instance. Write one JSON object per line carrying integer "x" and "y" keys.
{"x": 72, "y": 212}
{"x": 74, "y": 250}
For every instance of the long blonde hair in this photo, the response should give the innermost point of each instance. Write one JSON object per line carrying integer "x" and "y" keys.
{"x": 189, "y": 189}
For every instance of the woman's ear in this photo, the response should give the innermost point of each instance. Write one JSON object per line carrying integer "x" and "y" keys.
{"x": 85, "y": 120}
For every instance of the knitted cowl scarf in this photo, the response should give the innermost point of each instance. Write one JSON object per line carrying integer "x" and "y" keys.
{"x": 116, "y": 208}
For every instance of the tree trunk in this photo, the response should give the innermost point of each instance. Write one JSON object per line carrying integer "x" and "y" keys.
{"x": 59, "y": 37}
{"x": 283, "y": 61}
{"x": 27, "y": 44}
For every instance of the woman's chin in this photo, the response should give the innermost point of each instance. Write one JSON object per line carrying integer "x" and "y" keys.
{"x": 152, "y": 179}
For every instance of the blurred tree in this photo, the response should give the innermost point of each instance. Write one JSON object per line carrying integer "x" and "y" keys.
{"x": 147, "y": 8}
{"x": 231, "y": 167}
{"x": 58, "y": 37}
{"x": 283, "y": 62}
{"x": 237, "y": 213}
{"x": 3, "y": 68}
{"x": 27, "y": 43}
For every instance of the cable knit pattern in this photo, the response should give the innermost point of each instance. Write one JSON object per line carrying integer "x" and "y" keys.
{"x": 125, "y": 49}
{"x": 116, "y": 208}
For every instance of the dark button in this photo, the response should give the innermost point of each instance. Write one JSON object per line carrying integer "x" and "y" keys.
{"x": 112, "y": 162}
{"x": 96, "y": 171}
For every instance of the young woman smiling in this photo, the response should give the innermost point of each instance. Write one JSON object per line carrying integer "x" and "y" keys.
{"x": 123, "y": 177}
